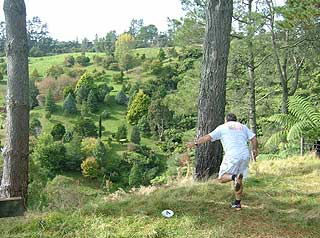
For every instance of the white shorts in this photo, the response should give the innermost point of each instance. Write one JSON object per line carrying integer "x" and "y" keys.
{"x": 234, "y": 166}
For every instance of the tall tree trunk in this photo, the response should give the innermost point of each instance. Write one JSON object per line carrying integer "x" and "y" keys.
{"x": 15, "y": 168}
{"x": 212, "y": 97}
{"x": 251, "y": 68}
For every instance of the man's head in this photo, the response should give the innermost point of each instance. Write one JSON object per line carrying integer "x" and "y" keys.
{"x": 231, "y": 117}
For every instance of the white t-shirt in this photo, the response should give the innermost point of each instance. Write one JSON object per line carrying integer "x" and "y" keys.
{"x": 234, "y": 137}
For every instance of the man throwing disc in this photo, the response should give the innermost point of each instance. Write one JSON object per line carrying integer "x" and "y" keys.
{"x": 234, "y": 137}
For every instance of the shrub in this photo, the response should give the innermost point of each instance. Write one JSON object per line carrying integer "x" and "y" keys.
{"x": 122, "y": 132}
{"x": 51, "y": 155}
{"x": 88, "y": 145}
{"x": 92, "y": 102}
{"x": 102, "y": 91}
{"x": 35, "y": 127}
{"x": 83, "y": 60}
{"x": 90, "y": 168}
{"x": 118, "y": 77}
{"x": 85, "y": 127}
{"x": 69, "y": 61}
{"x": 69, "y": 105}
{"x": 105, "y": 114}
{"x": 135, "y": 135}
{"x": 50, "y": 105}
{"x": 121, "y": 98}
{"x": 35, "y": 74}
{"x": 138, "y": 107}
{"x": 114, "y": 66}
{"x": 68, "y": 89}
{"x": 74, "y": 154}
{"x": 55, "y": 71}
{"x": 33, "y": 93}
{"x": 109, "y": 99}
{"x": 58, "y": 131}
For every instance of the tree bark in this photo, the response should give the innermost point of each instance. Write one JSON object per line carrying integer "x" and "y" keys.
{"x": 251, "y": 68}
{"x": 16, "y": 150}
{"x": 212, "y": 97}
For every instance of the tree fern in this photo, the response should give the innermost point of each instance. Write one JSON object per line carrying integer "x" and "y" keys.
{"x": 303, "y": 120}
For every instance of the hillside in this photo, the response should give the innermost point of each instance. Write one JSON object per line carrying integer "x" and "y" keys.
{"x": 281, "y": 198}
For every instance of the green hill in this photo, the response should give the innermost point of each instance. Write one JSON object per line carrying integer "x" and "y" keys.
{"x": 281, "y": 200}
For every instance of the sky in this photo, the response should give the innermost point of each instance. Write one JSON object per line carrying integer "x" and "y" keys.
{"x": 72, "y": 19}
{"x": 76, "y": 19}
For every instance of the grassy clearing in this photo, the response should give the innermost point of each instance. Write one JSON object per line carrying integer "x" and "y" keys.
{"x": 281, "y": 198}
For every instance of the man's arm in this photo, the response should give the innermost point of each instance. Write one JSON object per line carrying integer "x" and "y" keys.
{"x": 199, "y": 141}
{"x": 254, "y": 144}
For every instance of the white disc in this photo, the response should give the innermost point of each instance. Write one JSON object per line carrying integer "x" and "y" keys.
{"x": 167, "y": 213}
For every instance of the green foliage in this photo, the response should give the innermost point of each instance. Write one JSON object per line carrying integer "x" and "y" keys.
{"x": 35, "y": 74}
{"x": 135, "y": 135}
{"x": 33, "y": 93}
{"x": 118, "y": 77}
{"x": 92, "y": 102}
{"x": 73, "y": 153}
{"x": 303, "y": 120}
{"x": 159, "y": 117}
{"x": 83, "y": 60}
{"x": 58, "y": 131}
{"x": 121, "y": 98}
{"x": 144, "y": 125}
{"x": 50, "y": 154}
{"x": 69, "y": 61}
{"x": 67, "y": 90}
{"x": 122, "y": 132}
{"x": 88, "y": 145}
{"x": 69, "y": 105}
{"x": 138, "y": 108}
{"x": 100, "y": 152}
{"x": 86, "y": 80}
{"x": 109, "y": 99}
{"x": 85, "y": 127}
{"x": 102, "y": 91}
{"x": 55, "y": 71}
{"x": 50, "y": 105}
{"x": 35, "y": 127}
{"x": 161, "y": 55}
{"x": 90, "y": 168}
{"x": 1, "y": 76}
{"x": 105, "y": 114}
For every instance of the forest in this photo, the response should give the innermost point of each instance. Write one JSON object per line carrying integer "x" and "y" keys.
{"x": 109, "y": 120}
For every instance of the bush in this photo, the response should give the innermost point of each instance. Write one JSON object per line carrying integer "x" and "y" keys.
{"x": 102, "y": 91}
{"x": 68, "y": 89}
{"x": 118, "y": 77}
{"x": 88, "y": 145}
{"x": 51, "y": 155}
{"x": 105, "y": 114}
{"x": 35, "y": 74}
{"x": 58, "y": 131}
{"x": 50, "y": 105}
{"x": 90, "y": 168}
{"x": 109, "y": 99}
{"x": 69, "y": 61}
{"x": 35, "y": 127}
{"x": 121, "y": 98}
{"x": 114, "y": 66}
{"x": 83, "y": 60}
{"x": 85, "y": 127}
{"x": 135, "y": 135}
{"x": 138, "y": 107}
{"x": 55, "y": 71}
{"x": 122, "y": 132}
{"x": 92, "y": 102}
{"x": 69, "y": 105}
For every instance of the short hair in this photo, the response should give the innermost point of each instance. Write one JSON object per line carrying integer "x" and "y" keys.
{"x": 231, "y": 117}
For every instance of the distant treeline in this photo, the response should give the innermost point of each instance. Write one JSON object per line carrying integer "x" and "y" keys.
{"x": 41, "y": 43}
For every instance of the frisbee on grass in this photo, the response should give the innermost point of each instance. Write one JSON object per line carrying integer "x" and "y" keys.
{"x": 167, "y": 213}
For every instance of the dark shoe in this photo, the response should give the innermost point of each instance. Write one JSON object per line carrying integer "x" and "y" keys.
{"x": 237, "y": 207}
{"x": 238, "y": 182}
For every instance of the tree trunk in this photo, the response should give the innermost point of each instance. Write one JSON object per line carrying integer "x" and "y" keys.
{"x": 251, "y": 68}
{"x": 16, "y": 150}
{"x": 212, "y": 97}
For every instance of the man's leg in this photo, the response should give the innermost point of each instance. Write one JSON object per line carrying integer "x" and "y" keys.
{"x": 225, "y": 178}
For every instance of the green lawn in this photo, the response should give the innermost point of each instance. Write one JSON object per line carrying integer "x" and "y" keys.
{"x": 281, "y": 200}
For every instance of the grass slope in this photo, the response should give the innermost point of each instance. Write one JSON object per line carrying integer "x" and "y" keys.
{"x": 282, "y": 198}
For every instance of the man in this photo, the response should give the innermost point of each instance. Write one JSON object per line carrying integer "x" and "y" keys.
{"x": 234, "y": 137}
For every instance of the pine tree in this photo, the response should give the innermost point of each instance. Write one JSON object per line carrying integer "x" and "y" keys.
{"x": 50, "y": 105}
{"x": 92, "y": 102}
{"x": 135, "y": 135}
{"x": 69, "y": 105}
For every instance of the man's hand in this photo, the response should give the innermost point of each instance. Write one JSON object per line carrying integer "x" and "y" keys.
{"x": 254, "y": 154}
{"x": 191, "y": 145}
